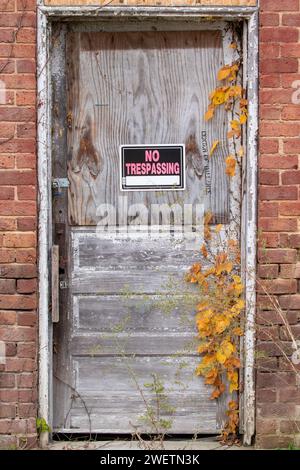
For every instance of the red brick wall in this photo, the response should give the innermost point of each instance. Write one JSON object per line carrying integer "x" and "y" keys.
{"x": 278, "y": 397}
{"x": 18, "y": 218}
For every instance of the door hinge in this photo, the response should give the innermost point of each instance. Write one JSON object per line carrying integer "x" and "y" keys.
{"x": 63, "y": 284}
{"x": 59, "y": 183}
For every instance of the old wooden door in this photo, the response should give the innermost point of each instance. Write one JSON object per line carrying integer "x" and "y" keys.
{"x": 125, "y": 349}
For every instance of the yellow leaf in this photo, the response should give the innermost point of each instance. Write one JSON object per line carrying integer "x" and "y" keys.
{"x": 218, "y": 97}
{"x": 221, "y": 358}
{"x": 233, "y": 45}
{"x": 224, "y": 72}
{"x": 241, "y": 152}
{"x": 209, "y": 113}
{"x": 204, "y": 250}
{"x": 243, "y": 118}
{"x": 219, "y": 228}
{"x": 230, "y": 165}
{"x": 214, "y": 146}
{"x": 235, "y": 125}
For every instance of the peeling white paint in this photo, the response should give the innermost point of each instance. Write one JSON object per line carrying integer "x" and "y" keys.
{"x": 45, "y": 16}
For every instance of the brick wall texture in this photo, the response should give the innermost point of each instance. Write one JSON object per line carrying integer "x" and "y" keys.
{"x": 18, "y": 216}
{"x": 278, "y": 395}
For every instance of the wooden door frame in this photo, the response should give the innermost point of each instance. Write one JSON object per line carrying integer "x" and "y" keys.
{"x": 46, "y": 16}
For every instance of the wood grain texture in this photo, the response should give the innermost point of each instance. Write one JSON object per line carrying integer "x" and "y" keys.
{"x": 106, "y": 386}
{"x": 55, "y": 284}
{"x": 153, "y": 2}
{"x": 143, "y": 88}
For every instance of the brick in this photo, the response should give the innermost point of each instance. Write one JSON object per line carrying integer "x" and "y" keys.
{"x": 291, "y": 146}
{"x": 289, "y": 208}
{"x": 26, "y": 380}
{"x": 279, "y": 5}
{"x": 291, "y": 302}
{"x": 278, "y": 380}
{"x": 278, "y": 225}
{"x": 26, "y": 35}
{"x": 26, "y": 130}
{"x": 7, "y": 380}
{"x": 7, "y": 129}
{"x": 273, "y": 317}
{"x": 19, "y": 365}
{"x": 291, "y": 20}
{"x": 291, "y": 177}
{"x": 26, "y": 161}
{"x": 17, "y": 302}
{"x": 14, "y": 334}
{"x": 7, "y": 286}
{"x": 268, "y": 209}
{"x": 27, "y": 224}
{"x": 270, "y": 19}
{"x": 25, "y": 98}
{"x": 282, "y": 65}
{"x": 268, "y": 271}
{"x": 16, "y": 114}
{"x": 27, "y": 410}
{"x": 17, "y": 177}
{"x": 7, "y": 161}
{"x": 269, "y": 51}
{"x": 7, "y": 411}
{"x": 27, "y": 318}
{"x": 23, "y": 240}
{"x": 294, "y": 241}
{"x": 27, "y": 255}
{"x": 281, "y": 34}
{"x": 7, "y": 224}
{"x": 17, "y": 208}
{"x": 284, "y": 256}
{"x": 269, "y": 177}
{"x": 7, "y": 318}
{"x": 291, "y": 113}
{"x": 290, "y": 395}
{"x": 27, "y": 350}
{"x": 275, "y": 96}
{"x": 7, "y": 193}
{"x": 278, "y": 286}
{"x": 26, "y": 286}
{"x": 28, "y": 66}
{"x": 7, "y": 256}
{"x": 26, "y": 192}
{"x": 266, "y": 426}
{"x": 278, "y": 162}
{"x": 288, "y": 271}
{"x": 269, "y": 112}
{"x": 268, "y": 146}
{"x": 272, "y": 193}
{"x": 6, "y": 35}
{"x": 18, "y": 271}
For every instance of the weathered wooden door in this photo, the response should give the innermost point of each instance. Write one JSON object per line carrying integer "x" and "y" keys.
{"x": 125, "y": 349}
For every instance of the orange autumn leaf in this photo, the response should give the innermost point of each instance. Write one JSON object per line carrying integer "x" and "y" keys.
{"x": 204, "y": 250}
{"x": 213, "y": 147}
{"x": 209, "y": 113}
{"x": 224, "y": 72}
{"x": 230, "y": 166}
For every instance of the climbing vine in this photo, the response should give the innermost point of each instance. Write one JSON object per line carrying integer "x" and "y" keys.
{"x": 218, "y": 314}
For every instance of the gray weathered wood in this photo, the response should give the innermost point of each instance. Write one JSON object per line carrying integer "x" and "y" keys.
{"x": 55, "y": 284}
{"x": 114, "y": 313}
{"x": 135, "y": 88}
{"x": 139, "y": 88}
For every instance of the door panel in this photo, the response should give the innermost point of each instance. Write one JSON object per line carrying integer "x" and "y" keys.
{"x": 127, "y": 314}
{"x": 143, "y": 88}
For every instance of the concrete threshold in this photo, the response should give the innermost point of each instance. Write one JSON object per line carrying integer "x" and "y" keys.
{"x": 174, "y": 444}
